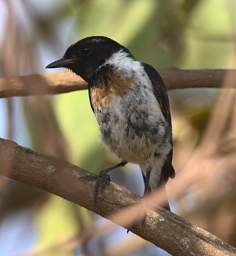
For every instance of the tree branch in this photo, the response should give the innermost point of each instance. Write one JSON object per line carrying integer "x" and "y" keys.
{"x": 62, "y": 82}
{"x": 162, "y": 228}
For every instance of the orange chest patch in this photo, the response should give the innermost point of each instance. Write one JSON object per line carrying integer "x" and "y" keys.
{"x": 118, "y": 86}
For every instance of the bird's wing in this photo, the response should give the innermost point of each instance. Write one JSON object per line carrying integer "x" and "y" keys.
{"x": 160, "y": 93}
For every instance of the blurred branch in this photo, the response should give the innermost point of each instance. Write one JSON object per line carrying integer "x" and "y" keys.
{"x": 40, "y": 84}
{"x": 162, "y": 228}
{"x": 62, "y": 82}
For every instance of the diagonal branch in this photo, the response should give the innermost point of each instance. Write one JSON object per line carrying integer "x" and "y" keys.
{"x": 62, "y": 82}
{"x": 162, "y": 228}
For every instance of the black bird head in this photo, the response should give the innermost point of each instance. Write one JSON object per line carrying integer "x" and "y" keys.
{"x": 87, "y": 55}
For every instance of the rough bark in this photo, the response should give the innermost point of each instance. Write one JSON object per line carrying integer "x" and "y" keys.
{"x": 162, "y": 228}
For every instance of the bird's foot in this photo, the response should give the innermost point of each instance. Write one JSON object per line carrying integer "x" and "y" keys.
{"x": 103, "y": 180}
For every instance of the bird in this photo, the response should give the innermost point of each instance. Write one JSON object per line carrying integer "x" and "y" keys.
{"x": 131, "y": 105}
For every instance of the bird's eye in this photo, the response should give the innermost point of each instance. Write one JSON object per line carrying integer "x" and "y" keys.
{"x": 86, "y": 51}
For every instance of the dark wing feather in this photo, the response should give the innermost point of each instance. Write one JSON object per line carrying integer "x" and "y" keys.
{"x": 160, "y": 93}
{"x": 90, "y": 99}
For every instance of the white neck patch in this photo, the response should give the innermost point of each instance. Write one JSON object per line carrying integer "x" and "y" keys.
{"x": 122, "y": 61}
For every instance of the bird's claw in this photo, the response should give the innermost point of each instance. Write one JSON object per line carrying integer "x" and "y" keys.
{"x": 103, "y": 179}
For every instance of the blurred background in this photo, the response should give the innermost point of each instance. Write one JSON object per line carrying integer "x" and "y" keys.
{"x": 187, "y": 34}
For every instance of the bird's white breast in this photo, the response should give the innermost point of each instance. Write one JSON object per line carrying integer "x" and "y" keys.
{"x": 132, "y": 125}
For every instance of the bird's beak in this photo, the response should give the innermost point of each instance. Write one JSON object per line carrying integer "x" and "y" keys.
{"x": 61, "y": 63}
